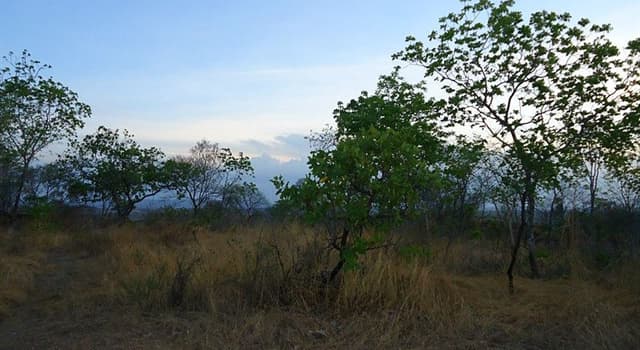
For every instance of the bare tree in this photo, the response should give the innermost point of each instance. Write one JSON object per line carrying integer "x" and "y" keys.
{"x": 207, "y": 173}
{"x": 247, "y": 199}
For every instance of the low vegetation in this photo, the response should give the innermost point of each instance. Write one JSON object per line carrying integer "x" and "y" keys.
{"x": 264, "y": 286}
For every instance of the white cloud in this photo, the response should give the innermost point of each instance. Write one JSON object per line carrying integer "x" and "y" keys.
{"x": 266, "y": 167}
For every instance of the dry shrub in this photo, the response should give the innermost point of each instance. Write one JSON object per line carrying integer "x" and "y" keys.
{"x": 408, "y": 298}
{"x": 26, "y": 242}
{"x": 22, "y": 254}
{"x": 16, "y": 279}
{"x": 204, "y": 270}
{"x": 472, "y": 257}
{"x": 18, "y": 265}
{"x": 92, "y": 243}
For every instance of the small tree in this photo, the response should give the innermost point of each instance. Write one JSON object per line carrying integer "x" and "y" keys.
{"x": 461, "y": 162}
{"x": 207, "y": 173}
{"x": 111, "y": 168}
{"x": 247, "y": 199}
{"x": 387, "y": 145}
{"x": 34, "y": 113}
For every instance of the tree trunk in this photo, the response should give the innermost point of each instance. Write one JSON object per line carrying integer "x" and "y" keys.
{"x": 342, "y": 245}
{"x": 594, "y": 174}
{"x": 336, "y": 270}
{"x": 527, "y": 215}
{"x": 16, "y": 203}
{"x": 516, "y": 246}
{"x": 531, "y": 240}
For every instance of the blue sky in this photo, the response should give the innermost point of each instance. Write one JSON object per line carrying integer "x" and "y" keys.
{"x": 253, "y": 75}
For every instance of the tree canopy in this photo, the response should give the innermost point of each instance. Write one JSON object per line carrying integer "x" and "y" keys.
{"x": 542, "y": 87}
{"x": 386, "y": 148}
{"x": 111, "y": 168}
{"x": 35, "y": 112}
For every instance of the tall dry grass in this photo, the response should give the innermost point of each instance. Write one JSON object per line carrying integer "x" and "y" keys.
{"x": 22, "y": 256}
{"x": 264, "y": 287}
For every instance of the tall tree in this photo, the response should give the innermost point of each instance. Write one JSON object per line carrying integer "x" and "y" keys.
{"x": 538, "y": 86}
{"x": 34, "y": 113}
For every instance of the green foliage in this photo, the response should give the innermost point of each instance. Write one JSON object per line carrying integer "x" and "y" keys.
{"x": 149, "y": 292}
{"x": 358, "y": 247}
{"x": 456, "y": 196}
{"x": 476, "y": 234}
{"x": 602, "y": 260}
{"x": 108, "y": 167}
{"x": 415, "y": 252}
{"x": 386, "y": 150}
{"x": 42, "y": 214}
{"x": 388, "y": 145}
{"x": 543, "y": 253}
{"x": 34, "y": 113}
{"x": 542, "y": 88}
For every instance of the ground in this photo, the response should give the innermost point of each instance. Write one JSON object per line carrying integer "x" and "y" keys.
{"x": 80, "y": 297}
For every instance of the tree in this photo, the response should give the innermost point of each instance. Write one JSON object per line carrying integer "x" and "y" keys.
{"x": 34, "y": 113}
{"x": 624, "y": 188}
{"x": 109, "y": 167}
{"x": 539, "y": 87}
{"x": 247, "y": 199}
{"x": 46, "y": 182}
{"x": 624, "y": 164}
{"x": 207, "y": 173}
{"x": 386, "y": 148}
{"x": 461, "y": 162}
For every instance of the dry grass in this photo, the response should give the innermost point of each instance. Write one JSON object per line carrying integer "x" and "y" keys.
{"x": 21, "y": 257}
{"x": 177, "y": 286}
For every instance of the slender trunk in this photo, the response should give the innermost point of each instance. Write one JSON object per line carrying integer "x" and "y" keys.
{"x": 460, "y": 226}
{"x": 124, "y": 210}
{"x": 343, "y": 243}
{"x": 516, "y": 246}
{"x": 531, "y": 240}
{"x": 551, "y": 216}
{"x": 23, "y": 179}
{"x": 594, "y": 174}
{"x": 195, "y": 210}
{"x": 461, "y": 222}
{"x": 527, "y": 214}
{"x": 336, "y": 270}
{"x": 427, "y": 224}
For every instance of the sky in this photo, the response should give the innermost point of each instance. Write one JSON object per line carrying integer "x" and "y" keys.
{"x": 256, "y": 76}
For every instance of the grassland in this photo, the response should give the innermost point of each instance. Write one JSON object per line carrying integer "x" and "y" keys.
{"x": 176, "y": 286}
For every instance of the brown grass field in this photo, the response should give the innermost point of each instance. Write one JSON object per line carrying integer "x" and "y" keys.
{"x": 141, "y": 286}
